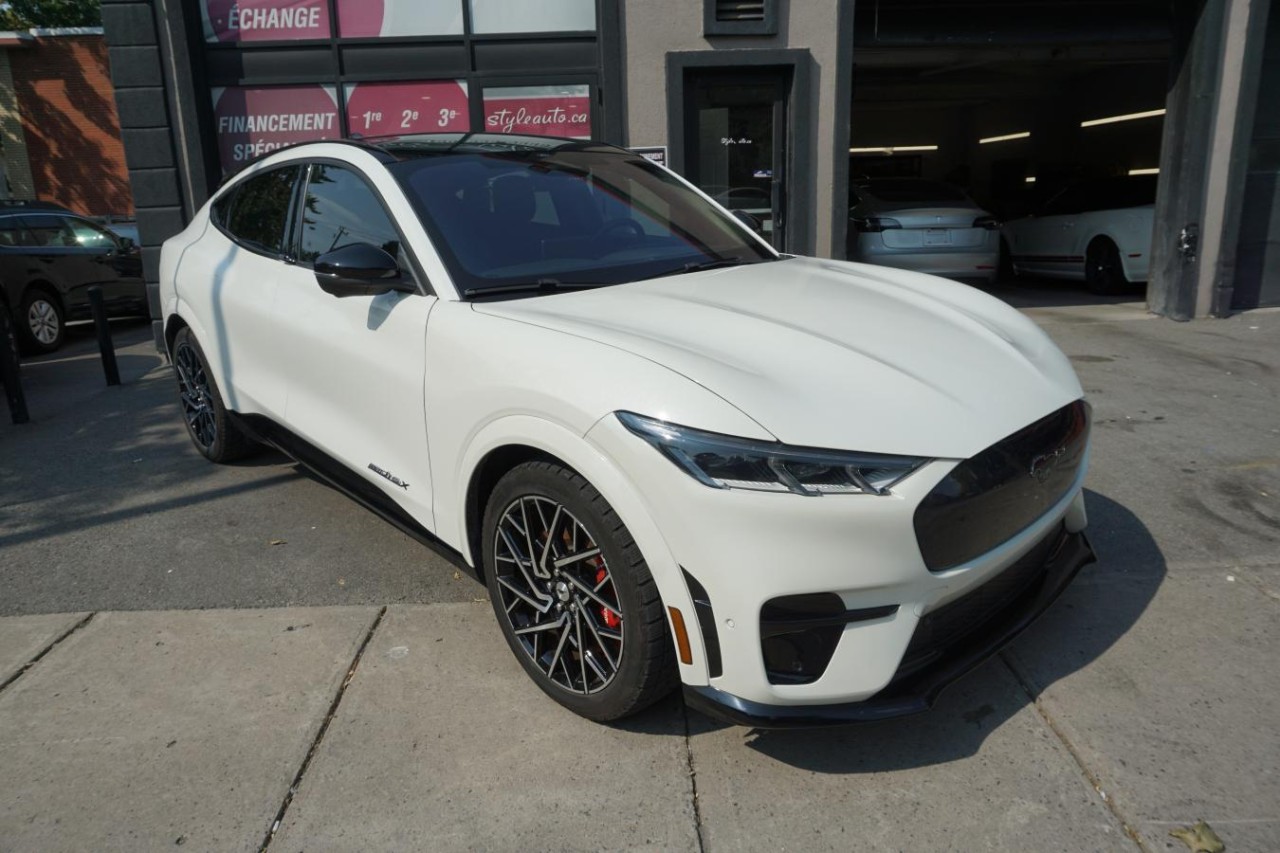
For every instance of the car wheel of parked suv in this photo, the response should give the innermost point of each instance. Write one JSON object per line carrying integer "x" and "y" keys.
{"x": 1103, "y": 272}
{"x": 41, "y": 326}
{"x": 573, "y": 595}
{"x": 211, "y": 430}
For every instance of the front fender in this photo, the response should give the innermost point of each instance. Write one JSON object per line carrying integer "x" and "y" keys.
{"x": 573, "y": 450}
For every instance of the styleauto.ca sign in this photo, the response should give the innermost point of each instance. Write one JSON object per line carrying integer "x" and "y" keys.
{"x": 250, "y": 122}
{"x": 564, "y": 111}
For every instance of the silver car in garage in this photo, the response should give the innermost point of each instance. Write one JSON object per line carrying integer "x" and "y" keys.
{"x": 923, "y": 225}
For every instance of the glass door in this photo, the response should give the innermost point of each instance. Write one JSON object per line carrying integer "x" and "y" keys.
{"x": 735, "y": 146}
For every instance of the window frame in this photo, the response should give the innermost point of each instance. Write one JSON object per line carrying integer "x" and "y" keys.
{"x": 416, "y": 272}
{"x": 286, "y": 253}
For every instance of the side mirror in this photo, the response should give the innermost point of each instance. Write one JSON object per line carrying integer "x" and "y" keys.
{"x": 126, "y": 245}
{"x": 360, "y": 269}
{"x": 748, "y": 220}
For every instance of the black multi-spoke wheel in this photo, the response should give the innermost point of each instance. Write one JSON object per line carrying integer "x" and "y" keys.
{"x": 203, "y": 412}
{"x": 1103, "y": 271}
{"x": 573, "y": 595}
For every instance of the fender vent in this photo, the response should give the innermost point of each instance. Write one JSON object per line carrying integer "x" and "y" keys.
{"x": 740, "y": 10}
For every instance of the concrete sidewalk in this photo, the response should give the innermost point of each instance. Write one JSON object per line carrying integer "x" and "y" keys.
{"x": 1144, "y": 700}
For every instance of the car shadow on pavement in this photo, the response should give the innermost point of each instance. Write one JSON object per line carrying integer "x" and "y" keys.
{"x": 1100, "y": 607}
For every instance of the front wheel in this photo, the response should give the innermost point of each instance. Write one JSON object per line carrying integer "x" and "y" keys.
{"x": 211, "y": 429}
{"x": 1103, "y": 271}
{"x": 573, "y": 595}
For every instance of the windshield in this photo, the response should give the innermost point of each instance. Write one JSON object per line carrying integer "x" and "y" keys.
{"x": 568, "y": 217}
{"x": 911, "y": 189}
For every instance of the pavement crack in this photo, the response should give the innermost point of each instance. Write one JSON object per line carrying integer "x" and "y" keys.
{"x": 320, "y": 732}
{"x": 1109, "y": 801}
{"x": 693, "y": 778}
{"x": 35, "y": 660}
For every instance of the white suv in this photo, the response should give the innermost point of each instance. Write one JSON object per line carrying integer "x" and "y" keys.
{"x": 811, "y": 491}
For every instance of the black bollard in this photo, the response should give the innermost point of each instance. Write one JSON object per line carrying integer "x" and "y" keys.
{"x": 9, "y": 372}
{"x": 104, "y": 336}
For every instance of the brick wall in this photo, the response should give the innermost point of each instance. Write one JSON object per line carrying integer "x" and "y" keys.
{"x": 65, "y": 98}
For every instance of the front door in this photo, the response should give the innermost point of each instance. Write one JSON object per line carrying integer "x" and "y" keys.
{"x": 736, "y": 144}
{"x": 356, "y": 365}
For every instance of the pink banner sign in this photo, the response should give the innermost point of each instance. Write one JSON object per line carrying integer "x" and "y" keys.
{"x": 251, "y": 122}
{"x": 392, "y": 109}
{"x": 538, "y": 115}
{"x": 265, "y": 20}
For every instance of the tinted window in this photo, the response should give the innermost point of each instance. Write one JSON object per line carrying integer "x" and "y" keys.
{"x": 1119, "y": 193}
{"x": 341, "y": 210}
{"x": 47, "y": 230}
{"x": 579, "y": 215}
{"x": 11, "y": 232}
{"x": 911, "y": 190}
{"x": 222, "y": 207}
{"x": 90, "y": 236}
{"x": 260, "y": 211}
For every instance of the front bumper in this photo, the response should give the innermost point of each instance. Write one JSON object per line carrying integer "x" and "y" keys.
{"x": 918, "y": 691}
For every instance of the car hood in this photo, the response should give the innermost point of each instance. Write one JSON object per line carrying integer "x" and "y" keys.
{"x": 831, "y": 354}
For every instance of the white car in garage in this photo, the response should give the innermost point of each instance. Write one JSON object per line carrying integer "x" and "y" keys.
{"x": 1098, "y": 232}
{"x": 811, "y": 491}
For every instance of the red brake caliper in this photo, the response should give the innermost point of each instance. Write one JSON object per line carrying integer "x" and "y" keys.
{"x": 611, "y": 619}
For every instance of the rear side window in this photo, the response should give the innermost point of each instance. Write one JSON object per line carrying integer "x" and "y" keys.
{"x": 49, "y": 231}
{"x": 259, "y": 213}
{"x": 11, "y": 232}
{"x": 340, "y": 210}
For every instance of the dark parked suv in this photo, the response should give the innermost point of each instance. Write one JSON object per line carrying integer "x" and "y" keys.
{"x": 49, "y": 258}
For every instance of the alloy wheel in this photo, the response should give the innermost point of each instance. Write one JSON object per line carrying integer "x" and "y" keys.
{"x": 197, "y": 399}
{"x": 558, "y": 594}
{"x": 42, "y": 320}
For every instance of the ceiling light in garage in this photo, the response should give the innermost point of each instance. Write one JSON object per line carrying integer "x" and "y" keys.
{"x": 1128, "y": 117}
{"x": 1031, "y": 179}
{"x": 892, "y": 149}
{"x": 1023, "y": 135}
{"x": 1144, "y": 171}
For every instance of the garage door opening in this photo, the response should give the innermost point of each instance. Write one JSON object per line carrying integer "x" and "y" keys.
{"x": 1019, "y": 152}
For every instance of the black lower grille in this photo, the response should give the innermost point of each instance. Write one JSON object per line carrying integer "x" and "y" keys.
{"x": 950, "y": 624}
{"x": 992, "y": 497}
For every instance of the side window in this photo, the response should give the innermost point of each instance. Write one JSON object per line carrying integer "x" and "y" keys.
{"x": 49, "y": 231}
{"x": 90, "y": 236}
{"x": 340, "y": 210}
{"x": 12, "y": 232}
{"x": 261, "y": 209}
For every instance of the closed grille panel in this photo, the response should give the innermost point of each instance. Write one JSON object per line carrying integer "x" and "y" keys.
{"x": 989, "y": 499}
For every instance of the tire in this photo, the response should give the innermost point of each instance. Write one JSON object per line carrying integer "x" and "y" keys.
{"x": 40, "y": 323}
{"x": 1103, "y": 271}
{"x": 601, "y": 648}
{"x": 1005, "y": 271}
{"x": 211, "y": 430}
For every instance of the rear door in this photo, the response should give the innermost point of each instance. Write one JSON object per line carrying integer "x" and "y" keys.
{"x": 54, "y": 257}
{"x": 230, "y": 276}
{"x": 1045, "y": 244}
{"x": 356, "y": 364}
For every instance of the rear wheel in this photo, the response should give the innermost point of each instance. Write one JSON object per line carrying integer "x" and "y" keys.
{"x": 573, "y": 595}
{"x": 212, "y": 431}
{"x": 1103, "y": 272}
{"x": 41, "y": 325}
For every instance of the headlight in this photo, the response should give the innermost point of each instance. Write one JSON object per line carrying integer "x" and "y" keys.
{"x": 725, "y": 462}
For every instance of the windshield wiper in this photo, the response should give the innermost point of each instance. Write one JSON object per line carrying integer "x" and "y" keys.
{"x": 542, "y": 285}
{"x": 699, "y": 266}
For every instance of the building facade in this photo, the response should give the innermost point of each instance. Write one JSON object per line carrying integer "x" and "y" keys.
{"x": 58, "y": 123}
{"x": 759, "y": 102}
